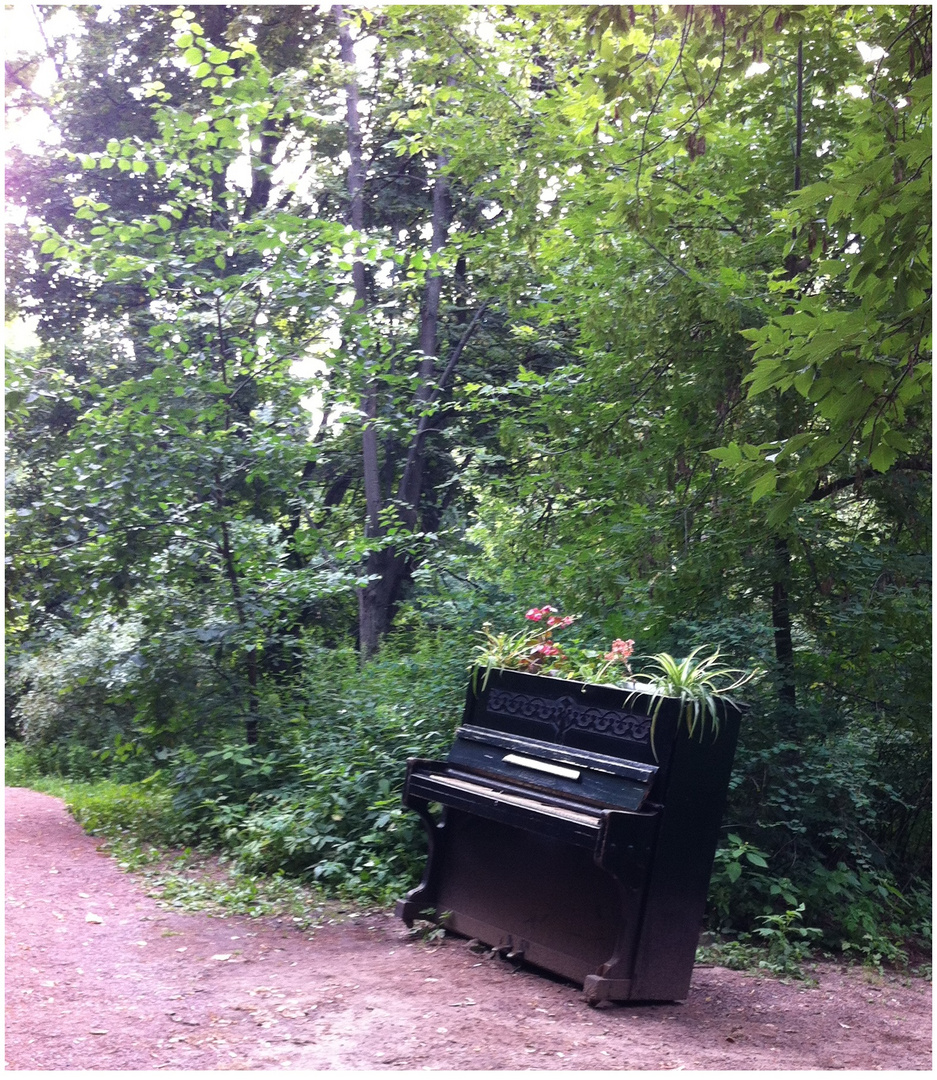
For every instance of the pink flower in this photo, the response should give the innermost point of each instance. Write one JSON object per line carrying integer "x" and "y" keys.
{"x": 536, "y": 614}
{"x": 545, "y": 648}
{"x": 559, "y": 623}
{"x": 621, "y": 650}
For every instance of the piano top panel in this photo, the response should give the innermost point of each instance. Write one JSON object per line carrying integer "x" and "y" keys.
{"x": 601, "y": 719}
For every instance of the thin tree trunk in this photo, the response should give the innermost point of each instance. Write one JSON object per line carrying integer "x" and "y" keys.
{"x": 251, "y": 724}
{"x": 386, "y": 567}
{"x": 780, "y": 590}
{"x": 368, "y": 628}
{"x": 781, "y": 621}
{"x": 411, "y": 482}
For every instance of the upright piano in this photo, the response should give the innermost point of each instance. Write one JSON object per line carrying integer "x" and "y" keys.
{"x": 573, "y": 827}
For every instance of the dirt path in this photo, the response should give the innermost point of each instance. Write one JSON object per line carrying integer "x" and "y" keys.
{"x": 98, "y": 976}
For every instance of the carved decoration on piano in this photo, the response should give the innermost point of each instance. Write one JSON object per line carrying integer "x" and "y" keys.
{"x": 565, "y": 713}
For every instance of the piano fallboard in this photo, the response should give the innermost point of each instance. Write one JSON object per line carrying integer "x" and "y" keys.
{"x": 554, "y": 770}
{"x": 576, "y": 824}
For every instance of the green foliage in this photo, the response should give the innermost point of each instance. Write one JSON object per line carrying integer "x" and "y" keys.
{"x": 323, "y": 801}
{"x": 852, "y": 335}
{"x": 193, "y": 881}
{"x": 534, "y": 650}
{"x": 781, "y": 946}
{"x": 69, "y": 686}
{"x": 681, "y": 329}
{"x": 142, "y": 811}
{"x": 699, "y": 685}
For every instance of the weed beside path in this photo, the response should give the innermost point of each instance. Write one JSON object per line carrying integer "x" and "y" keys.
{"x": 101, "y": 976}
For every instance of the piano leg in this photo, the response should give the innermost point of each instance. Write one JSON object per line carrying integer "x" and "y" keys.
{"x": 597, "y": 989}
{"x": 625, "y": 852}
{"x": 423, "y": 897}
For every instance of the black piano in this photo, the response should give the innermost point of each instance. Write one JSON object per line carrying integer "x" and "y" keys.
{"x": 568, "y": 828}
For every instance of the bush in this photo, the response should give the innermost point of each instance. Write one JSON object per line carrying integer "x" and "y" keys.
{"x": 143, "y": 811}
{"x": 319, "y": 797}
{"x": 70, "y": 688}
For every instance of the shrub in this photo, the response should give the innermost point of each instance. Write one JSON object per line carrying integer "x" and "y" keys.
{"x": 320, "y": 796}
{"x": 71, "y": 687}
{"x": 144, "y": 811}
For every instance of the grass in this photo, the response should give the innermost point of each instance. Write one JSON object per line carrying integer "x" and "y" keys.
{"x": 197, "y": 880}
{"x": 141, "y": 831}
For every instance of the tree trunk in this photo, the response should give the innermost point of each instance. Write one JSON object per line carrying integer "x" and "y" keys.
{"x": 378, "y": 600}
{"x": 251, "y": 724}
{"x": 368, "y": 626}
{"x": 781, "y": 622}
{"x": 386, "y": 567}
{"x": 780, "y": 590}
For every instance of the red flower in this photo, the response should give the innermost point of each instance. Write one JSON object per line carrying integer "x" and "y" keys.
{"x": 545, "y": 648}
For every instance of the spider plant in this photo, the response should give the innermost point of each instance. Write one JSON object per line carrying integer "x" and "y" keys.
{"x": 697, "y": 685}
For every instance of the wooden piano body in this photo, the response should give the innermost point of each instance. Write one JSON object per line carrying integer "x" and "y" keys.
{"x": 561, "y": 831}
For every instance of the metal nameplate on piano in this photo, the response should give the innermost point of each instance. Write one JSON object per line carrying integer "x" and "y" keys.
{"x": 560, "y": 755}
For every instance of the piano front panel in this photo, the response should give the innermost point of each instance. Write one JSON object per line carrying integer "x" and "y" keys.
{"x": 532, "y": 894}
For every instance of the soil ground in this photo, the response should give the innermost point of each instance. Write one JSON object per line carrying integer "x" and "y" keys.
{"x": 100, "y": 977}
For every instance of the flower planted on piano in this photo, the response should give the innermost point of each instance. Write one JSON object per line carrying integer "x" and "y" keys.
{"x": 534, "y": 651}
{"x": 697, "y": 684}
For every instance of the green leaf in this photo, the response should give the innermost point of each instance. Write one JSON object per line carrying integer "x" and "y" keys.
{"x": 883, "y": 457}
{"x": 765, "y": 485}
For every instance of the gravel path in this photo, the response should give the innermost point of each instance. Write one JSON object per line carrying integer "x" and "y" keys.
{"x": 99, "y": 976}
